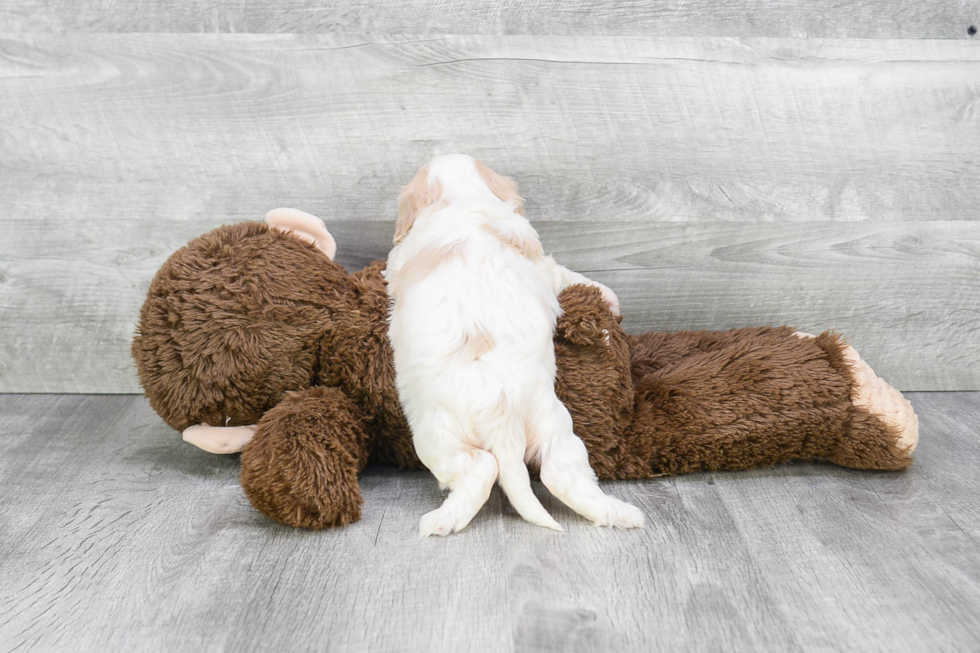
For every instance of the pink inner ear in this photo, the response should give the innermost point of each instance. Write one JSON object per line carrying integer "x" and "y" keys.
{"x": 305, "y": 227}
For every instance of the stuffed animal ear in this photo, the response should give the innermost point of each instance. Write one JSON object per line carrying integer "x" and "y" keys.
{"x": 304, "y": 226}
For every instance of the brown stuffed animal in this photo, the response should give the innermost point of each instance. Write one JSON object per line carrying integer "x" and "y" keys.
{"x": 256, "y": 324}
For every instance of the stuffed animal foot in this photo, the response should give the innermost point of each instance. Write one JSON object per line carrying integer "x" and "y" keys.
{"x": 301, "y": 467}
{"x": 885, "y": 402}
{"x": 219, "y": 439}
{"x": 884, "y": 429}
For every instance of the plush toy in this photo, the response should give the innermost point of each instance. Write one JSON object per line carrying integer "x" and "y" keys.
{"x": 255, "y": 324}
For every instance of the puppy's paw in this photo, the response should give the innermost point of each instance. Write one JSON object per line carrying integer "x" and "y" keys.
{"x": 620, "y": 514}
{"x": 441, "y": 521}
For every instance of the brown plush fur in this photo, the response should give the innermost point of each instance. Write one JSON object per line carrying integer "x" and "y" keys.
{"x": 248, "y": 325}
{"x": 868, "y": 442}
{"x": 309, "y": 478}
{"x": 232, "y": 322}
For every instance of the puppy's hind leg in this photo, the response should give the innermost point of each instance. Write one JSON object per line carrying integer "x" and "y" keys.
{"x": 468, "y": 472}
{"x": 469, "y": 475}
{"x": 566, "y": 472}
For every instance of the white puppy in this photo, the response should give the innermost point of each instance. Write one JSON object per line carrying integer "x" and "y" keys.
{"x": 474, "y": 305}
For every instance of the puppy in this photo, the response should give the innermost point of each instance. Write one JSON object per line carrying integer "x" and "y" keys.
{"x": 474, "y": 306}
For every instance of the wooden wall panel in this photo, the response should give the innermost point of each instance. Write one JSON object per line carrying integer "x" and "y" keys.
{"x": 606, "y": 129}
{"x": 904, "y": 293}
{"x": 794, "y": 18}
{"x": 713, "y": 182}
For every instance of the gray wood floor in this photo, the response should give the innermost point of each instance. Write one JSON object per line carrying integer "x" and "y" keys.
{"x": 114, "y": 535}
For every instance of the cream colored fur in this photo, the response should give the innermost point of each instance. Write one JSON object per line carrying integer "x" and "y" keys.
{"x": 474, "y": 305}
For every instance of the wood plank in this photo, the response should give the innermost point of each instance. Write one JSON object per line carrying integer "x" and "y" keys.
{"x": 906, "y": 294}
{"x": 957, "y": 418}
{"x": 610, "y": 129}
{"x": 796, "y": 18}
{"x": 116, "y": 149}
{"x": 890, "y": 288}
{"x": 117, "y": 536}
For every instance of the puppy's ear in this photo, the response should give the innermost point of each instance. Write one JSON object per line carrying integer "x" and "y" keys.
{"x": 414, "y": 197}
{"x": 503, "y": 187}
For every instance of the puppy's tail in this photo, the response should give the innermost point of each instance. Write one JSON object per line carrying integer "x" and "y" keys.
{"x": 516, "y": 484}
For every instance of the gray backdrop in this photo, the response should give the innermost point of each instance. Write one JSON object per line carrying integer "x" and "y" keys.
{"x": 705, "y": 161}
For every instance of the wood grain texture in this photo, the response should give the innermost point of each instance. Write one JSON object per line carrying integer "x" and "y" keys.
{"x": 825, "y": 183}
{"x": 117, "y": 536}
{"x": 607, "y": 128}
{"x": 794, "y": 18}
{"x": 906, "y": 294}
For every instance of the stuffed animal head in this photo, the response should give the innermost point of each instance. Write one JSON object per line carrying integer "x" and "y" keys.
{"x": 233, "y": 320}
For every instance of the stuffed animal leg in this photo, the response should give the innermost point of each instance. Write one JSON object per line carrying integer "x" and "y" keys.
{"x": 751, "y": 398}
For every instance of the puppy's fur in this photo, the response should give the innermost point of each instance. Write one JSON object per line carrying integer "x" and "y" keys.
{"x": 474, "y": 305}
